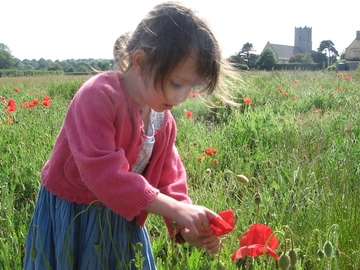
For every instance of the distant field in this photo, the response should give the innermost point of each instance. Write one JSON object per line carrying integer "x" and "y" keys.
{"x": 295, "y": 137}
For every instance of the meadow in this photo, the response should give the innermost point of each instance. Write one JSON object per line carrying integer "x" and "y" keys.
{"x": 294, "y": 137}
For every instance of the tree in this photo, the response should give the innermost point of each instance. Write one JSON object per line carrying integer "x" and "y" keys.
{"x": 245, "y": 51}
{"x": 296, "y": 58}
{"x": 328, "y": 45}
{"x": 5, "y": 47}
{"x": 267, "y": 58}
{"x": 6, "y": 60}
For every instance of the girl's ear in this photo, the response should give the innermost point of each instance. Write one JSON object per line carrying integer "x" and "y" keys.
{"x": 138, "y": 61}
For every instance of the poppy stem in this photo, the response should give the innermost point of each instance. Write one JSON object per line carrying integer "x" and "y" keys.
{"x": 291, "y": 233}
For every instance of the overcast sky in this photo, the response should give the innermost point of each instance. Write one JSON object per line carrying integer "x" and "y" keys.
{"x": 74, "y": 29}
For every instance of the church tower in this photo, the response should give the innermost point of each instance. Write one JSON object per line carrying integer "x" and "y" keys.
{"x": 303, "y": 39}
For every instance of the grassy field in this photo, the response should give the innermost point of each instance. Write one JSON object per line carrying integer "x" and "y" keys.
{"x": 297, "y": 143}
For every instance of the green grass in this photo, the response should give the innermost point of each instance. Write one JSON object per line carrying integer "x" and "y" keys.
{"x": 304, "y": 164}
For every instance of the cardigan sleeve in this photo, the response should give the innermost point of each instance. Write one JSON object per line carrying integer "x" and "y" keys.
{"x": 102, "y": 139}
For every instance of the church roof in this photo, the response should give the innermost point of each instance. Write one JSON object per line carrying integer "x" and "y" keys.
{"x": 283, "y": 51}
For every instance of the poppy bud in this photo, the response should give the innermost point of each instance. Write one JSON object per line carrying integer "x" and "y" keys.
{"x": 257, "y": 198}
{"x": 284, "y": 261}
{"x": 328, "y": 249}
{"x": 294, "y": 208}
{"x": 97, "y": 245}
{"x": 221, "y": 266}
{"x": 242, "y": 179}
{"x": 293, "y": 257}
{"x": 139, "y": 246}
{"x": 33, "y": 253}
{"x": 320, "y": 254}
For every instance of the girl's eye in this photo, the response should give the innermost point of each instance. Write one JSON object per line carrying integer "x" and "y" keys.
{"x": 175, "y": 85}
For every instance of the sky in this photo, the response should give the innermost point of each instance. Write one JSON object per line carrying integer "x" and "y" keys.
{"x": 79, "y": 29}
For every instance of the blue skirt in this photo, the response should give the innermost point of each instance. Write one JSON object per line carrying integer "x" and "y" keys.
{"x": 65, "y": 235}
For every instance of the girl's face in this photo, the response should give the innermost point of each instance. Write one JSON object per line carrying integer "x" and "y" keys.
{"x": 176, "y": 89}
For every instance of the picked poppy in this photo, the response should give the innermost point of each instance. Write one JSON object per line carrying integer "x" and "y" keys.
{"x": 223, "y": 224}
{"x": 255, "y": 242}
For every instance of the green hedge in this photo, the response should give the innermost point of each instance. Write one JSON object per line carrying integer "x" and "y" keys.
{"x": 292, "y": 66}
{"x": 30, "y": 72}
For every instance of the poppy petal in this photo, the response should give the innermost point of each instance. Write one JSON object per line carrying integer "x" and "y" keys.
{"x": 223, "y": 224}
{"x": 254, "y": 251}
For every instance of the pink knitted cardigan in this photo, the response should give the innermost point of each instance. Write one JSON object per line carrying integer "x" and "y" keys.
{"x": 97, "y": 145}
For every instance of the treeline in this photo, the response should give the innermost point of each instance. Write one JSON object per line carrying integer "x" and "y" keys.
{"x": 12, "y": 66}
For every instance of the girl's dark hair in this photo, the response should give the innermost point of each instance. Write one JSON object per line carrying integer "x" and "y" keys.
{"x": 168, "y": 34}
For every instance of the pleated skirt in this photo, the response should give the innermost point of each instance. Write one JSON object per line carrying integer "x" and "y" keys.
{"x": 65, "y": 235}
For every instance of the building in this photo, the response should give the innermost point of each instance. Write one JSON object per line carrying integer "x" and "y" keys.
{"x": 302, "y": 44}
{"x": 352, "y": 53}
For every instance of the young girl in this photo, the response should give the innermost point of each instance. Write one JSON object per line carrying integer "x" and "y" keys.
{"x": 114, "y": 160}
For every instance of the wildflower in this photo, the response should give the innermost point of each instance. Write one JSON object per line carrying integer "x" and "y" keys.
{"x": 281, "y": 90}
{"x": 318, "y": 111}
{"x": 46, "y": 101}
{"x": 217, "y": 103}
{"x": 349, "y": 78}
{"x": 255, "y": 241}
{"x": 248, "y": 100}
{"x": 294, "y": 98}
{"x": 16, "y": 89}
{"x": 314, "y": 79}
{"x": 202, "y": 158}
{"x": 286, "y": 94}
{"x": 340, "y": 89}
{"x": 36, "y": 102}
{"x": 296, "y": 81}
{"x": 10, "y": 119}
{"x": 189, "y": 114}
{"x": 43, "y": 92}
{"x": 208, "y": 151}
{"x": 213, "y": 150}
{"x": 192, "y": 95}
{"x": 11, "y": 106}
{"x": 340, "y": 75}
{"x": 215, "y": 161}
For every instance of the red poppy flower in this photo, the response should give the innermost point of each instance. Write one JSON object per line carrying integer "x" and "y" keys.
{"x": 36, "y": 101}
{"x": 340, "y": 75}
{"x": 340, "y": 89}
{"x": 253, "y": 243}
{"x": 294, "y": 98}
{"x": 213, "y": 150}
{"x": 215, "y": 161}
{"x": 192, "y": 95}
{"x": 281, "y": 90}
{"x": 248, "y": 100}
{"x": 46, "y": 103}
{"x": 349, "y": 78}
{"x": 223, "y": 224}
{"x": 318, "y": 111}
{"x": 189, "y": 114}
{"x": 16, "y": 89}
{"x": 208, "y": 151}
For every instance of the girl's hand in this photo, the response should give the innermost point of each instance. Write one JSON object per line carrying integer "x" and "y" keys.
{"x": 206, "y": 239}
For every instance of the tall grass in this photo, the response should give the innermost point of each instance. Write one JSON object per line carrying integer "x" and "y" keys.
{"x": 298, "y": 144}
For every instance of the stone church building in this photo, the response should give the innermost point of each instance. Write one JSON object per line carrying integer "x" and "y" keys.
{"x": 302, "y": 44}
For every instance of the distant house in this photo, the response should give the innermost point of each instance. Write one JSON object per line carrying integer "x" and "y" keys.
{"x": 302, "y": 44}
{"x": 352, "y": 53}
